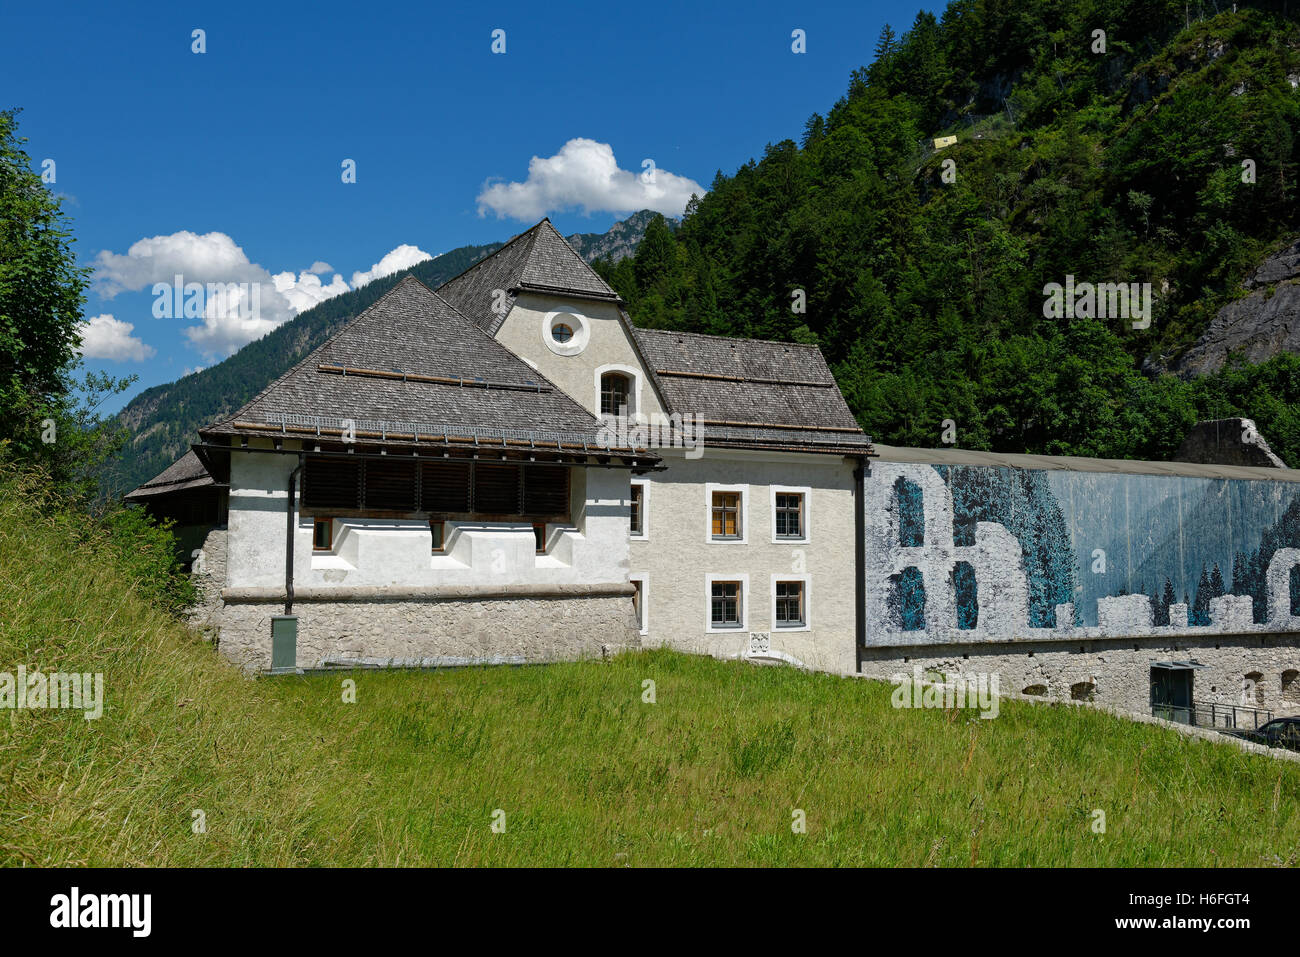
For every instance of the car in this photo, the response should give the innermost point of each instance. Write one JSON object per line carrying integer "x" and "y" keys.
{"x": 1278, "y": 733}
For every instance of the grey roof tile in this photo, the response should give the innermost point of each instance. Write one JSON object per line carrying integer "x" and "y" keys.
{"x": 412, "y": 330}
{"x": 763, "y": 391}
{"x": 185, "y": 473}
{"x": 538, "y": 260}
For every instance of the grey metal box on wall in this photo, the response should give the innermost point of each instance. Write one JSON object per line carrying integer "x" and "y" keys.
{"x": 284, "y": 644}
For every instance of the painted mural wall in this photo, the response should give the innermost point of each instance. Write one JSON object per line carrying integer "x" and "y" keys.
{"x": 977, "y": 553}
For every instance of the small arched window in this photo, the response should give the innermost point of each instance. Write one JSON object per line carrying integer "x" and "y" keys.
{"x": 614, "y": 390}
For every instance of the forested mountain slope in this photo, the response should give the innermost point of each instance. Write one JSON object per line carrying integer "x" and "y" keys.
{"x": 924, "y": 268}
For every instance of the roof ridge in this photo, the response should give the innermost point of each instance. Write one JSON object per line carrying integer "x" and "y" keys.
{"x": 500, "y": 249}
{"x": 485, "y": 343}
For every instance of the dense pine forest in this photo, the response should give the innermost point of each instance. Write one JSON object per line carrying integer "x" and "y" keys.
{"x": 1107, "y": 158}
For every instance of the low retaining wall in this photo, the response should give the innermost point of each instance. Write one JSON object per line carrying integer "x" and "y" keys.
{"x": 1115, "y": 671}
{"x": 531, "y": 629}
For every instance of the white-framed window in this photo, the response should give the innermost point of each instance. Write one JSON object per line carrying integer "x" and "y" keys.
{"x": 565, "y": 333}
{"x": 639, "y": 518}
{"x": 641, "y": 600}
{"x": 726, "y": 603}
{"x": 726, "y": 514}
{"x": 618, "y": 390}
{"x": 790, "y": 517}
{"x": 790, "y": 602}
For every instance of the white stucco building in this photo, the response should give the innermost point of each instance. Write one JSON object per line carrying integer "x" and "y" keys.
{"x": 508, "y": 470}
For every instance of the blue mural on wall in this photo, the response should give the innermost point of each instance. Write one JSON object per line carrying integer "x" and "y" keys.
{"x": 1177, "y": 530}
{"x": 1022, "y": 502}
{"x": 907, "y": 597}
{"x": 998, "y": 550}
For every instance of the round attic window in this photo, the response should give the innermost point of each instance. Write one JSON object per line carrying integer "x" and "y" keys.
{"x": 565, "y": 333}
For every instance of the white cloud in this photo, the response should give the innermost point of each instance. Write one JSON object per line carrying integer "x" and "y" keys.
{"x": 103, "y": 337}
{"x": 230, "y": 321}
{"x": 584, "y": 174}
{"x": 307, "y": 290}
{"x": 190, "y": 370}
{"x": 402, "y": 257}
{"x": 212, "y": 257}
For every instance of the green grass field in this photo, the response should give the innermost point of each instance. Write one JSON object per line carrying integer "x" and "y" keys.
{"x": 585, "y": 771}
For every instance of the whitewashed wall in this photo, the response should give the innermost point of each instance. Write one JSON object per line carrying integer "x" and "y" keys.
{"x": 371, "y": 552}
{"x": 607, "y": 347}
{"x": 675, "y": 560}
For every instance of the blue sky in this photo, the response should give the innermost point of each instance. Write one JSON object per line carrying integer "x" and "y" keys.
{"x": 233, "y": 157}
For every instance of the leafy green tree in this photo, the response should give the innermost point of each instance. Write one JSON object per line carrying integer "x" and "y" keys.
{"x": 47, "y": 417}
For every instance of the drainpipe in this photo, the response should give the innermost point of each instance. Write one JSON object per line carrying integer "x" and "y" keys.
{"x": 860, "y": 559}
{"x": 288, "y": 540}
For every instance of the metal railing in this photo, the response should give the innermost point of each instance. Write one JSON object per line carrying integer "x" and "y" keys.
{"x": 1226, "y": 717}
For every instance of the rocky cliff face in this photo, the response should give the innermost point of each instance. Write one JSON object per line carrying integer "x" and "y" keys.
{"x": 1259, "y": 325}
{"x": 1227, "y": 442}
{"x": 621, "y": 240}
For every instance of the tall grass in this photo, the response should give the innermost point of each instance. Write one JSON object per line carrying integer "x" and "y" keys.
{"x": 581, "y": 768}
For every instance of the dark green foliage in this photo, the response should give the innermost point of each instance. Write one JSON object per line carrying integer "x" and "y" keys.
{"x": 47, "y": 417}
{"x": 146, "y": 550}
{"x": 926, "y": 295}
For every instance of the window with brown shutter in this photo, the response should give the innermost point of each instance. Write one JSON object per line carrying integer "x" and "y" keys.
{"x": 397, "y": 485}
{"x": 726, "y": 515}
{"x": 390, "y": 484}
{"x": 496, "y": 489}
{"x": 331, "y": 483}
{"x": 445, "y": 487}
{"x": 546, "y": 490}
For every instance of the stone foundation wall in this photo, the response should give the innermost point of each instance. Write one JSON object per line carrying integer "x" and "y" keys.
{"x": 532, "y": 629}
{"x": 208, "y": 574}
{"x": 1116, "y": 672}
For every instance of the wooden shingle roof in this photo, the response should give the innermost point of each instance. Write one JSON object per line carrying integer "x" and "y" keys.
{"x": 753, "y": 393}
{"x": 538, "y": 260}
{"x": 187, "y": 472}
{"x": 412, "y": 364}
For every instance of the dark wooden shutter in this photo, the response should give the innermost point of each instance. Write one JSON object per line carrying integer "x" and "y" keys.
{"x": 496, "y": 489}
{"x": 546, "y": 490}
{"x": 445, "y": 487}
{"x": 390, "y": 484}
{"x": 331, "y": 483}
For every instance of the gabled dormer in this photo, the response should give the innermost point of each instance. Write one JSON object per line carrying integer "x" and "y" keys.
{"x": 542, "y": 301}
